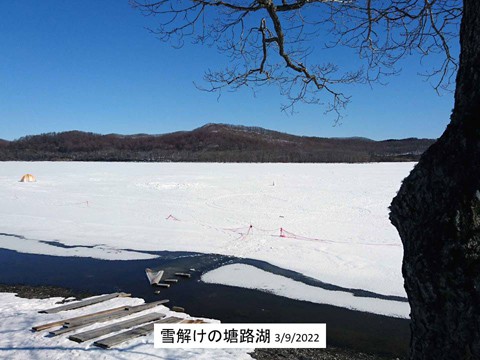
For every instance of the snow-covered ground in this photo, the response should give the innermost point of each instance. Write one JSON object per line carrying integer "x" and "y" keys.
{"x": 334, "y": 216}
{"x": 19, "y": 343}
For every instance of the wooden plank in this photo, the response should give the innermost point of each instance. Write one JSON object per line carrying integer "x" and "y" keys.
{"x": 92, "y": 334}
{"x": 163, "y": 285}
{"x": 69, "y": 326}
{"x": 83, "y": 303}
{"x": 128, "y": 310}
{"x": 64, "y": 330}
{"x": 172, "y": 281}
{"x": 110, "y": 341}
{"x": 185, "y": 275}
{"x": 194, "y": 322}
{"x": 124, "y": 336}
{"x": 60, "y": 322}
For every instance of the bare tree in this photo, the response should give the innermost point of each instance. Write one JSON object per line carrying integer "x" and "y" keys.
{"x": 272, "y": 42}
{"x": 437, "y": 210}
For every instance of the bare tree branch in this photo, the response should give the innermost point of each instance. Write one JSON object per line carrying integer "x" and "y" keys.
{"x": 266, "y": 41}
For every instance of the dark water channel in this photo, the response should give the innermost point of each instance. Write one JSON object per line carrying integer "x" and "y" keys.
{"x": 345, "y": 328}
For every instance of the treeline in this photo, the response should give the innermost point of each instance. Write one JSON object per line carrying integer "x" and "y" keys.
{"x": 210, "y": 143}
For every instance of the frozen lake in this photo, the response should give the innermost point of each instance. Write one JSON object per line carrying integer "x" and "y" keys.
{"x": 326, "y": 221}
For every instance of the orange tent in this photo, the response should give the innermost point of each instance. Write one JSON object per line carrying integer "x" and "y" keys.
{"x": 28, "y": 178}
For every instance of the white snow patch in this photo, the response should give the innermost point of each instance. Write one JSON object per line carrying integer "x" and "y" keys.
{"x": 250, "y": 277}
{"x": 30, "y": 246}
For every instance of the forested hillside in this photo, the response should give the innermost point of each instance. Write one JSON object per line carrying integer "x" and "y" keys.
{"x": 210, "y": 143}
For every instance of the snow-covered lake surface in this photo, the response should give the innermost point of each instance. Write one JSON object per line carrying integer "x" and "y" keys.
{"x": 327, "y": 221}
{"x": 19, "y": 343}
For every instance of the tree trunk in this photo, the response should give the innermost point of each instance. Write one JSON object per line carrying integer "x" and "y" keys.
{"x": 437, "y": 214}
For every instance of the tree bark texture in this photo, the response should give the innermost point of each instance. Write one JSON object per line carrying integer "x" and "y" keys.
{"x": 437, "y": 214}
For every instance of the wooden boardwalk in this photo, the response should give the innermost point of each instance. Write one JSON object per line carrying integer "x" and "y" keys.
{"x": 124, "y": 330}
{"x": 72, "y": 325}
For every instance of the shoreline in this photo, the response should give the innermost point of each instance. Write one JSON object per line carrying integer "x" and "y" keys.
{"x": 43, "y": 291}
{"x": 330, "y": 353}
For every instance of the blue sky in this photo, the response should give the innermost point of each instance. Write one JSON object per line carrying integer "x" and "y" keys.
{"x": 92, "y": 66}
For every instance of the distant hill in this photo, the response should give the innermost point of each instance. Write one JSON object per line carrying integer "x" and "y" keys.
{"x": 210, "y": 143}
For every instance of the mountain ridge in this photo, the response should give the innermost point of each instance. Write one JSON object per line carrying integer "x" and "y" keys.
{"x": 210, "y": 143}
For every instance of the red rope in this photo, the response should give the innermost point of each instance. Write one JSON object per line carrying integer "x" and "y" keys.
{"x": 171, "y": 217}
{"x": 248, "y": 230}
{"x": 287, "y": 234}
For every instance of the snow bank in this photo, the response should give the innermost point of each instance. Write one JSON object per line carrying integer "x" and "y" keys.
{"x": 250, "y": 277}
